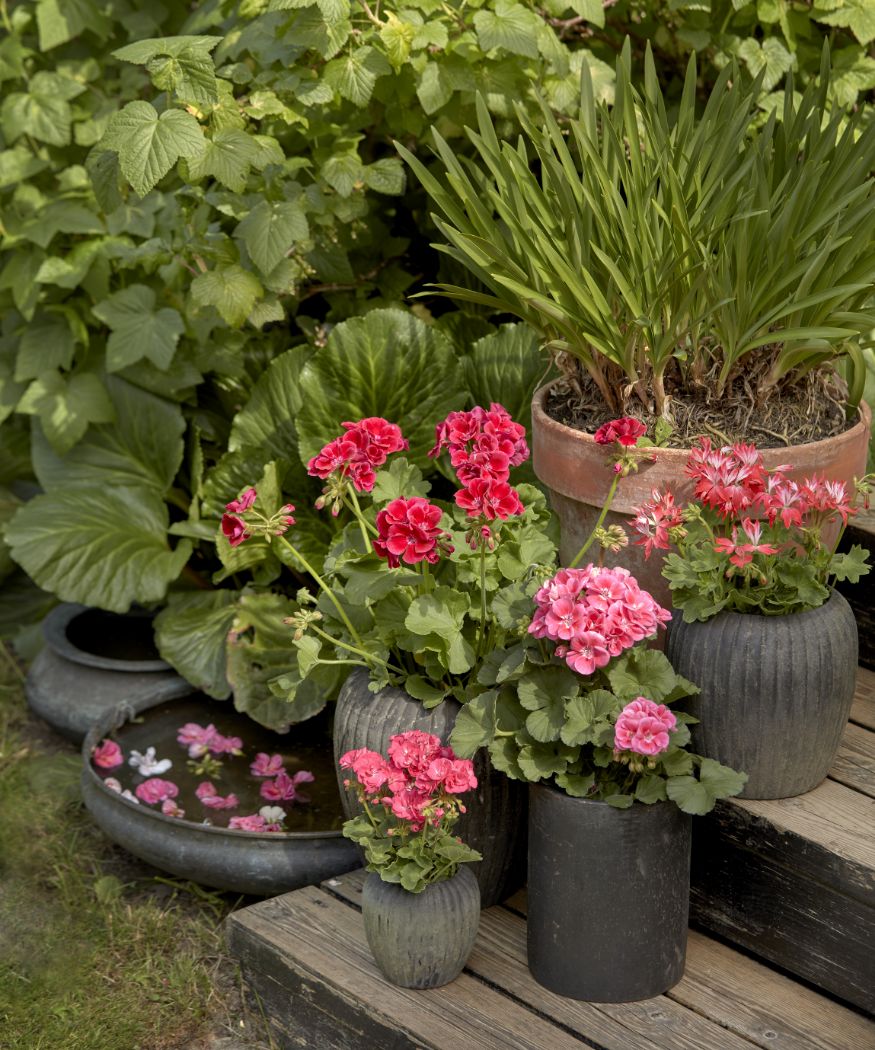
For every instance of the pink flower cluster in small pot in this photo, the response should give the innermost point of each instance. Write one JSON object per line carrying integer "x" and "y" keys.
{"x": 416, "y": 781}
{"x": 483, "y": 446}
{"x": 643, "y": 727}
{"x": 594, "y": 614}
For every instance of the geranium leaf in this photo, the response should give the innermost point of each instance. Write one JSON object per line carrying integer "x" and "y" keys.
{"x": 398, "y": 479}
{"x": 642, "y": 672}
{"x": 111, "y": 552}
{"x": 139, "y": 329}
{"x": 191, "y": 634}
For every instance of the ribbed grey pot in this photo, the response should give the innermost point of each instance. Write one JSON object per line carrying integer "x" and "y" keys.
{"x": 495, "y": 821}
{"x": 608, "y": 896}
{"x": 422, "y": 940}
{"x": 776, "y": 692}
{"x": 71, "y": 688}
{"x": 261, "y": 864}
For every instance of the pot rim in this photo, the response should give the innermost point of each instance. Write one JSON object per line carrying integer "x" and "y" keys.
{"x": 123, "y": 713}
{"x": 794, "y": 617}
{"x": 551, "y": 787}
{"x": 562, "y": 431}
{"x": 55, "y": 634}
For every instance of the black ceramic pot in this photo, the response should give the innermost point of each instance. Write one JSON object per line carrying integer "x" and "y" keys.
{"x": 259, "y": 863}
{"x": 422, "y": 940}
{"x": 495, "y": 821}
{"x": 93, "y": 661}
{"x": 608, "y": 896}
{"x": 776, "y": 692}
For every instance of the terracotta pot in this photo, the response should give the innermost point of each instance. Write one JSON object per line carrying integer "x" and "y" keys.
{"x": 578, "y": 473}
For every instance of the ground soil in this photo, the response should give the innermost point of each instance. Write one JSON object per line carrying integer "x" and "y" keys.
{"x": 809, "y": 411}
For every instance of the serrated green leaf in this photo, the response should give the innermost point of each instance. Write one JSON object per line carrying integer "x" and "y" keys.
{"x": 61, "y": 20}
{"x": 44, "y": 117}
{"x": 642, "y": 672}
{"x": 228, "y": 156}
{"x": 442, "y": 612}
{"x": 435, "y": 89}
{"x": 148, "y": 145}
{"x": 354, "y": 75}
{"x": 342, "y": 172}
{"x": 689, "y": 795}
{"x": 232, "y": 290}
{"x": 850, "y": 566}
{"x": 138, "y": 330}
{"x": 399, "y": 479}
{"x": 191, "y": 634}
{"x": 111, "y": 551}
{"x": 190, "y": 74}
{"x": 66, "y": 406}
{"x": 47, "y": 343}
{"x": 385, "y": 176}
{"x": 140, "y": 52}
{"x": 510, "y": 26}
{"x": 270, "y": 230}
{"x": 720, "y": 780}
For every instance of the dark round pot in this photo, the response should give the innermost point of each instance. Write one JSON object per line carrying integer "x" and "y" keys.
{"x": 92, "y": 661}
{"x": 495, "y": 821}
{"x": 422, "y": 940}
{"x": 608, "y": 896}
{"x": 776, "y": 692}
{"x": 259, "y": 863}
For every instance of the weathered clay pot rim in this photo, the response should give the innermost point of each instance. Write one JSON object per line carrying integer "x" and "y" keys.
{"x": 55, "y": 633}
{"x": 550, "y": 425}
{"x": 117, "y": 718}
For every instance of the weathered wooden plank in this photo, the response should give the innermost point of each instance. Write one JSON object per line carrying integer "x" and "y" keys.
{"x": 854, "y": 765}
{"x": 863, "y": 707}
{"x": 763, "y": 888}
{"x": 766, "y": 1007}
{"x": 827, "y": 834}
{"x": 499, "y": 958}
{"x": 314, "y": 946}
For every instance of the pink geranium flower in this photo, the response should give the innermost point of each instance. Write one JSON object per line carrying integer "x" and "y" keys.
{"x": 210, "y": 798}
{"x": 625, "y": 431}
{"x": 170, "y": 809}
{"x": 243, "y": 502}
{"x": 234, "y": 530}
{"x": 284, "y": 788}
{"x": 107, "y": 755}
{"x": 266, "y": 765}
{"x": 489, "y": 498}
{"x": 408, "y": 530}
{"x": 643, "y": 726}
{"x": 156, "y": 790}
{"x": 414, "y": 751}
{"x": 252, "y": 822}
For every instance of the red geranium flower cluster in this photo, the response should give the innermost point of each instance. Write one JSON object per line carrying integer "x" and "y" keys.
{"x": 654, "y": 518}
{"x": 355, "y": 454}
{"x": 483, "y": 446}
{"x": 238, "y": 524}
{"x": 594, "y": 614}
{"x": 407, "y": 530}
{"x": 416, "y": 781}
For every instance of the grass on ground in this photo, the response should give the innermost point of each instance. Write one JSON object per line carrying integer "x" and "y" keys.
{"x": 97, "y": 951}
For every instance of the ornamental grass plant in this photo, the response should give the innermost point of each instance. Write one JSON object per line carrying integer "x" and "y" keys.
{"x": 672, "y": 258}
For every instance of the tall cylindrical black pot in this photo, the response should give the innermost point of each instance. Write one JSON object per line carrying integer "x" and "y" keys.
{"x": 495, "y": 821}
{"x": 608, "y": 896}
{"x": 776, "y": 692}
{"x": 422, "y": 940}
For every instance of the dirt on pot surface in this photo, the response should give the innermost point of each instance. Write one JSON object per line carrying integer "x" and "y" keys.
{"x": 811, "y": 410}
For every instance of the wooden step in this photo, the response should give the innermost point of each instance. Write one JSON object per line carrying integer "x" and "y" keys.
{"x": 305, "y": 957}
{"x": 793, "y": 880}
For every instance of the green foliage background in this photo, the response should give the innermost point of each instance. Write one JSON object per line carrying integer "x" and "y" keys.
{"x": 196, "y": 205}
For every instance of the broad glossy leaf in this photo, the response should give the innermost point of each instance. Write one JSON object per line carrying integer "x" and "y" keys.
{"x": 139, "y": 329}
{"x": 268, "y": 419}
{"x": 506, "y": 366}
{"x": 191, "y": 635}
{"x": 366, "y": 369}
{"x": 111, "y": 550}
{"x": 47, "y": 343}
{"x": 142, "y": 448}
{"x": 148, "y": 145}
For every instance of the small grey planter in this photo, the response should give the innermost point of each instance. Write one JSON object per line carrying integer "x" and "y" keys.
{"x": 422, "y": 940}
{"x": 259, "y": 863}
{"x": 495, "y": 821}
{"x": 71, "y": 687}
{"x": 776, "y": 692}
{"x": 609, "y": 894}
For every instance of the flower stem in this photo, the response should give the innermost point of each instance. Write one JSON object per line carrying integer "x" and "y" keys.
{"x": 369, "y": 657}
{"x": 326, "y": 589}
{"x": 481, "y": 633}
{"x": 363, "y": 525}
{"x": 607, "y": 506}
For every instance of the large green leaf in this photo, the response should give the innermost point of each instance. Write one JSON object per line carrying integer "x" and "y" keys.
{"x": 232, "y": 290}
{"x": 60, "y": 20}
{"x": 190, "y": 73}
{"x": 105, "y": 547}
{"x": 510, "y": 26}
{"x": 268, "y": 419}
{"x": 138, "y": 329}
{"x": 388, "y": 363}
{"x": 228, "y": 156}
{"x": 506, "y": 366}
{"x": 148, "y": 145}
{"x": 142, "y": 449}
{"x": 270, "y": 229}
{"x": 66, "y": 405}
{"x": 191, "y": 634}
